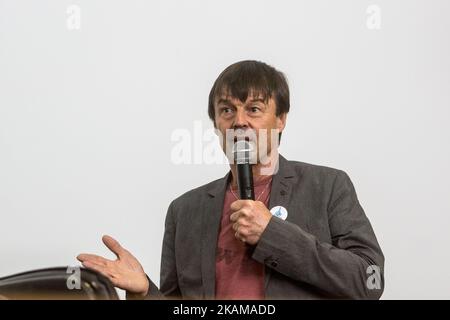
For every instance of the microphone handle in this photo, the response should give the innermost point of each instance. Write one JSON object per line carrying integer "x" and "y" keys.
{"x": 245, "y": 181}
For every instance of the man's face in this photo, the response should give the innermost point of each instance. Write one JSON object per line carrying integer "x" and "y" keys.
{"x": 254, "y": 117}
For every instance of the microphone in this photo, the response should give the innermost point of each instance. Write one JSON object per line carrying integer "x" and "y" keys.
{"x": 241, "y": 151}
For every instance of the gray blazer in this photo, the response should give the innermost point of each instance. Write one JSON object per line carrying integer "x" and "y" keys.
{"x": 323, "y": 250}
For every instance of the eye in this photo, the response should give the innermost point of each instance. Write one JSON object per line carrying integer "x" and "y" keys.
{"x": 254, "y": 109}
{"x": 226, "y": 111}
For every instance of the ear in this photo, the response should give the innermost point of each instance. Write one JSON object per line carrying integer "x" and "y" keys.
{"x": 281, "y": 121}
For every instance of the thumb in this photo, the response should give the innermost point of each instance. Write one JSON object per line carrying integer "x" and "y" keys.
{"x": 113, "y": 245}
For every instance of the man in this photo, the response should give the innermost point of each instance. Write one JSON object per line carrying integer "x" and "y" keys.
{"x": 315, "y": 243}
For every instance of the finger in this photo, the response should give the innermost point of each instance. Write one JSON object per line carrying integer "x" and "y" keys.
{"x": 92, "y": 258}
{"x": 234, "y": 216}
{"x": 243, "y": 221}
{"x": 113, "y": 245}
{"x": 239, "y": 237}
{"x": 240, "y": 214}
{"x": 238, "y": 204}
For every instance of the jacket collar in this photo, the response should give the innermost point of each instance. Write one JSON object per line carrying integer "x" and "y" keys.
{"x": 285, "y": 170}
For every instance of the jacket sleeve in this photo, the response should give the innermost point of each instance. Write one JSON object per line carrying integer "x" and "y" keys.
{"x": 350, "y": 267}
{"x": 168, "y": 276}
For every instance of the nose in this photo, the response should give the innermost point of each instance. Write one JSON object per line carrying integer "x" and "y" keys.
{"x": 240, "y": 120}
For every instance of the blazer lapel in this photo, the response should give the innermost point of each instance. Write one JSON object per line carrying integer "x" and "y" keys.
{"x": 211, "y": 217}
{"x": 280, "y": 194}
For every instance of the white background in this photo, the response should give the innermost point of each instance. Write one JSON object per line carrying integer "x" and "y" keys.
{"x": 86, "y": 117}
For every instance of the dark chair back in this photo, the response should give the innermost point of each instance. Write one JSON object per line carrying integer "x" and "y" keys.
{"x": 61, "y": 283}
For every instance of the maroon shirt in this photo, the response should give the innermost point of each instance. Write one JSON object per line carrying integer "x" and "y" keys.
{"x": 238, "y": 276}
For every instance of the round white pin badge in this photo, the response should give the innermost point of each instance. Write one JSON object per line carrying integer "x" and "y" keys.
{"x": 279, "y": 212}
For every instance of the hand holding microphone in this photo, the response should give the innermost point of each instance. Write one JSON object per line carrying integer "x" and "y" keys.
{"x": 250, "y": 218}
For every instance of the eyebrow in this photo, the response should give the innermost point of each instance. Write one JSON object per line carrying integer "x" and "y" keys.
{"x": 228, "y": 102}
{"x": 258, "y": 100}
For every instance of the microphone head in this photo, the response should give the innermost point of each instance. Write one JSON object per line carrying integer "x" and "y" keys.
{"x": 242, "y": 151}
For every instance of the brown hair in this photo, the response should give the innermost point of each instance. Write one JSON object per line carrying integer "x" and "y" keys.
{"x": 251, "y": 77}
